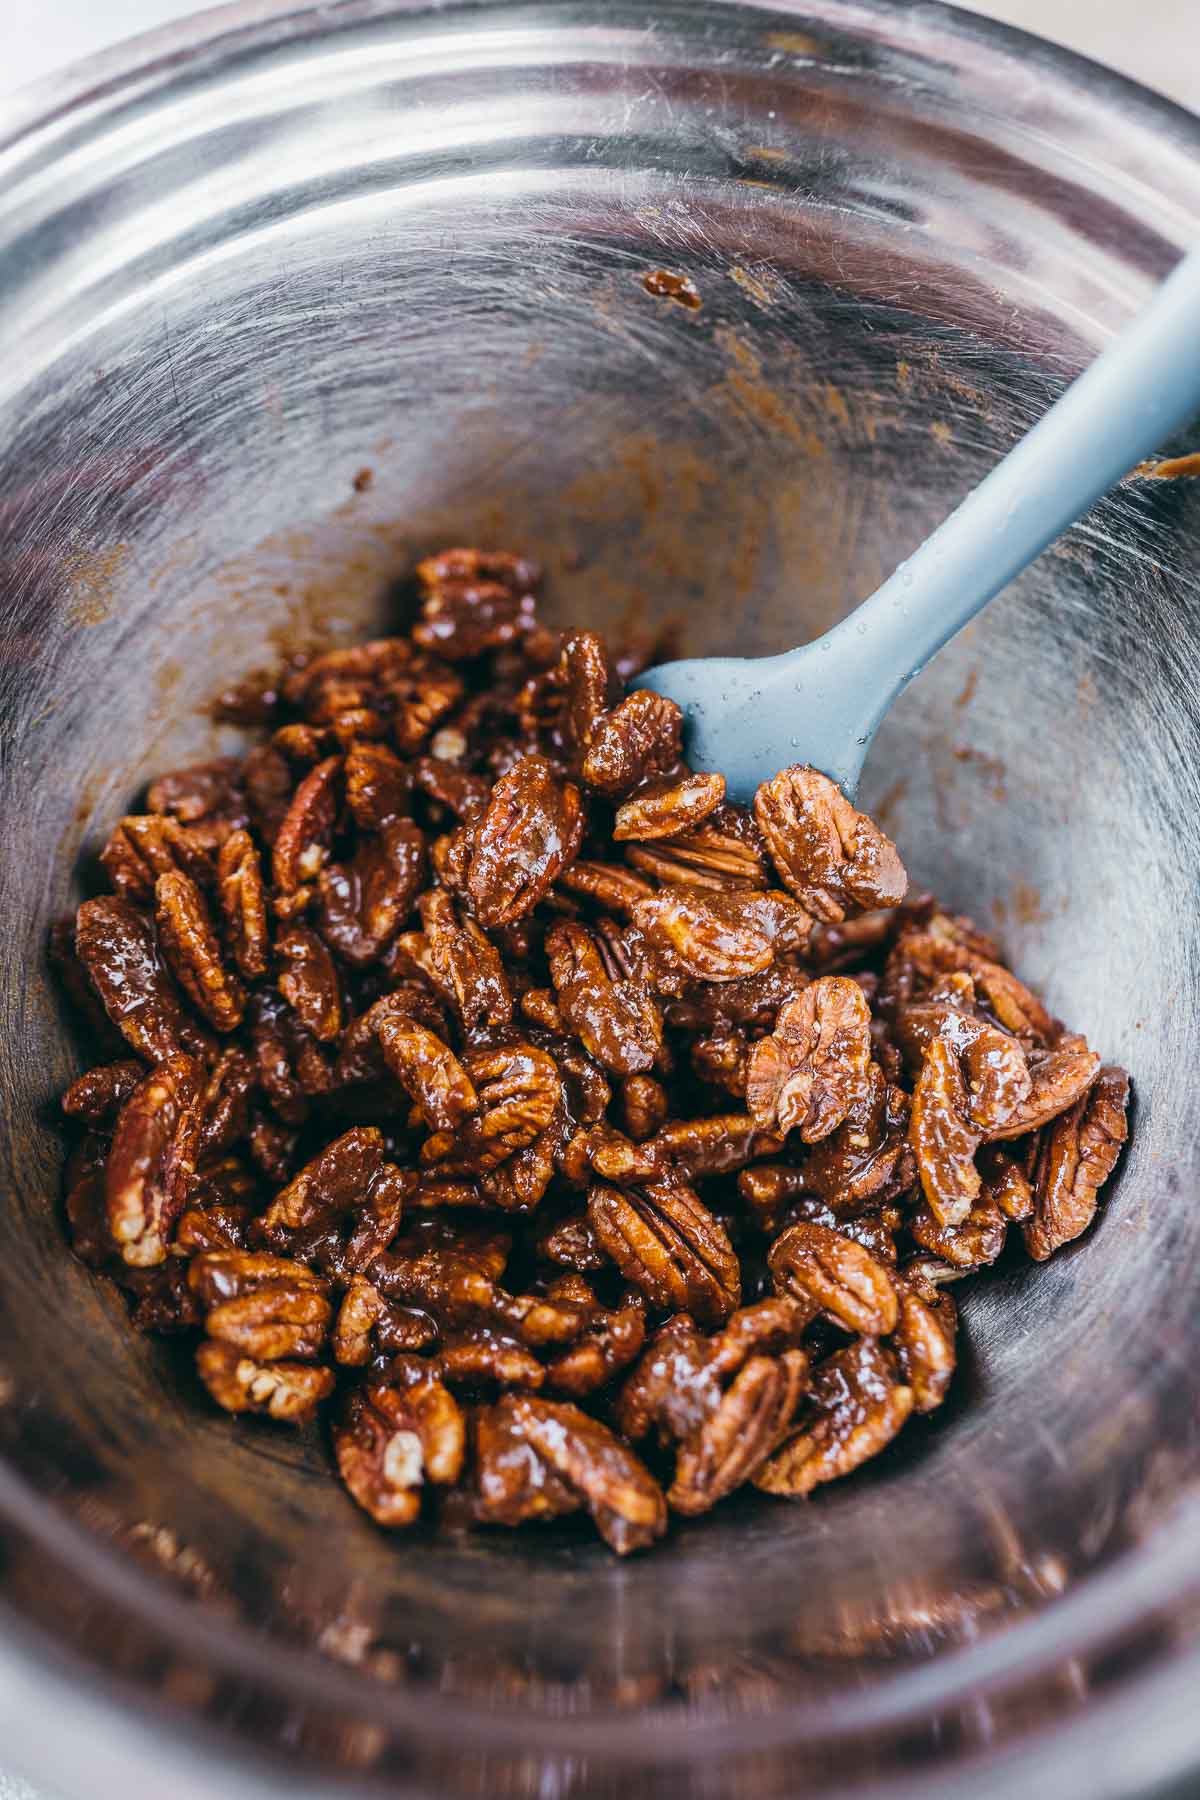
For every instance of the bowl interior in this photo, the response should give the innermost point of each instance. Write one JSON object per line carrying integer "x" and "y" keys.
{"x": 415, "y": 243}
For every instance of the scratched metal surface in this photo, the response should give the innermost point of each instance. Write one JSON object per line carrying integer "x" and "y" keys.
{"x": 414, "y": 240}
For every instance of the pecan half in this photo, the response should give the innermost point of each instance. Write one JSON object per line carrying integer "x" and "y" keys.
{"x": 302, "y": 842}
{"x": 1078, "y": 1154}
{"x": 642, "y": 736}
{"x": 530, "y": 832}
{"x": 193, "y": 953}
{"x": 1058, "y": 1080}
{"x": 668, "y": 807}
{"x": 145, "y": 846}
{"x": 830, "y": 1273}
{"x": 152, "y": 1160}
{"x": 362, "y": 904}
{"x": 97, "y": 1096}
{"x": 335, "y": 1182}
{"x": 668, "y": 1244}
{"x": 617, "y": 1021}
{"x": 834, "y": 859}
{"x": 858, "y": 1404}
{"x": 725, "y": 851}
{"x": 475, "y": 600}
{"x": 867, "y": 1157}
{"x": 582, "y": 1463}
{"x": 243, "y": 897}
{"x": 925, "y": 1345}
{"x": 812, "y": 1068}
{"x": 308, "y": 982}
{"x": 286, "y": 1391}
{"x": 116, "y": 947}
{"x": 733, "y": 1444}
{"x": 378, "y": 786}
{"x": 519, "y": 1090}
{"x": 725, "y": 1401}
{"x": 942, "y": 1136}
{"x": 716, "y": 936}
{"x": 461, "y": 963}
{"x": 393, "y": 1440}
{"x": 429, "y": 1071}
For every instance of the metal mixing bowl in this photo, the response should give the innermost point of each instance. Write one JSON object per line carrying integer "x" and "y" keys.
{"x": 242, "y": 261}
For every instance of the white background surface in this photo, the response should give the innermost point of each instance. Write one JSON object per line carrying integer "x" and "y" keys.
{"x": 1158, "y": 41}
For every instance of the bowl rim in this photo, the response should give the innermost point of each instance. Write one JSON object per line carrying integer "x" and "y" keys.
{"x": 1139, "y": 1580}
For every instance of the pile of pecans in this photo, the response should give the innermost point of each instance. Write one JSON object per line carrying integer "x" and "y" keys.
{"x": 578, "y": 1139}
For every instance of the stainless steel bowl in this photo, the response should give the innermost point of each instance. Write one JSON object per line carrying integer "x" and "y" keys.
{"x": 243, "y": 260}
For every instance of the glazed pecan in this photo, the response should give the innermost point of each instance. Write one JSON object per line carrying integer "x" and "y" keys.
{"x": 617, "y": 1021}
{"x": 754, "y": 1000}
{"x": 571, "y": 1243}
{"x": 225, "y": 1109}
{"x": 538, "y": 1458}
{"x": 643, "y": 736}
{"x": 612, "y": 887}
{"x": 265, "y": 1320}
{"x": 951, "y": 946}
{"x": 287, "y": 1059}
{"x": 301, "y": 845}
{"x": 725, "y": 851}
{"x": 96, "y": 1097}
{"x": 530, "y": 832}
{"x": 486, "y": 1356}
{"x": 828, "y": 1272}
{"x": 942, "y": 1136}
{"x": 925, "y": 1344}
{"x": 519, "y": 1090}
{"x": 808, "y": 1073}
{"x": 718, "y": 1145}
{"x": 726, "y": 1401}
{"x": 429, "y": 1071}
{"x": 1079, "y": 1152}
{"x": 152, "y": 1160}
{"x": 643, "y": 1106}
{"x": 394, "y": 1438}
{"x": 716, "y": 937}
{"x": 193, "y": 952}
{"x": 287, "y": 1391}
{"x": 243, "y": 897}
{"x": 362, "y": 904}
{"x": 857, "y": 1405}
{"x": 590, "y": 686}
{"x": 117, "y": 949}
{"x": 337, "y": 1181}
{"x": 610, "y": 1340}
{"x": 378, "y": 786}
{"x": 973, "y": 1243}
{"x": 268, "y": 1317}
{"x": 831, "y": 857}
{"x": 207, "y": 797}
{"x": 475, "y": 600}
{"x": 451, "y": 787}
{"x": 995, "y": 1069}
{"x": 308, "y": 981}
{"x": 460, "y": 962}
{"x": 668, "y": 1244}
{"x": 867, "y": 1157}
{"x": 1058, "y": 1080}
{"x": 669, "y": 807}
{"x": 145, "y": 846}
